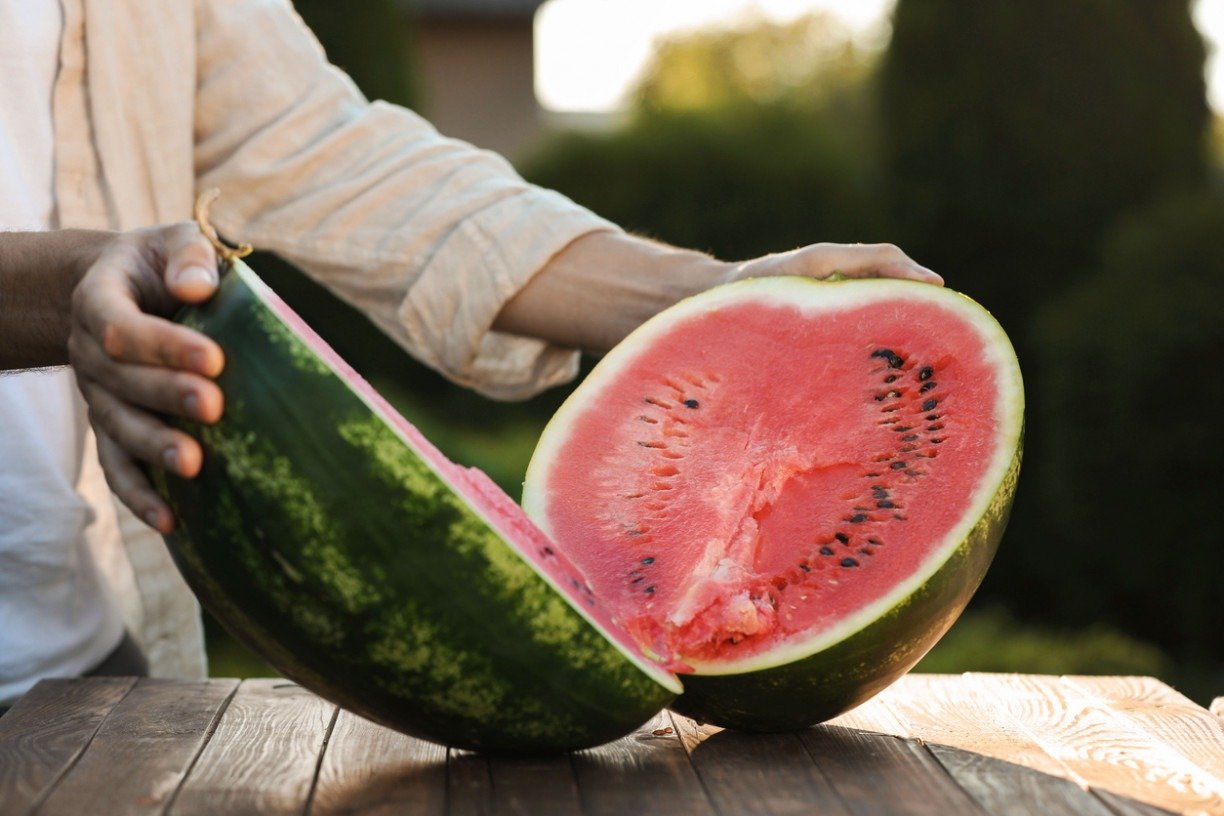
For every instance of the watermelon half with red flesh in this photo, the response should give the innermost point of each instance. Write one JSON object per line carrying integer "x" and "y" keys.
{"x": 786, "y": 488}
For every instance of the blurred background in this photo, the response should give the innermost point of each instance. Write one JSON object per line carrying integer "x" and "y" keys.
{"x": 1058, "y": 161}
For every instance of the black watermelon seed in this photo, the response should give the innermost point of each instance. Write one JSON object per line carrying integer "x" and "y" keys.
{"x": 638, "y": 579}
{"x": 934, "y": 427}
{"x": 929, "y": 405}
{"x": 805, "y": 568}
{"x": 890, "y": 356}
{"x": 880, "y": 491}
{"x": 849, "y": 562}
{"x": 903, "y": 428}
{"x": 691, "y": 403}
{"x": 547, "y": 551}
{"x": 909, "y": 438}
{"x": 925, "y": 373}
{"x": 865, "y": 551}
{"x": 858, "y": 518}
{"x": 650, "y": 590}
{"x": 826, "y": 550}
{"x": 936, "y": 441}
{"x": 927, "y": 386}
{"x": 648, "y": 560}
{"x": 932, "y": 417}
{"x": 875, "y": 542}
{"x": 891, "y": 378}
{"x": 897, "y": 465}
{"x": 842, "y": 537}
{"x": 885, "y": 505}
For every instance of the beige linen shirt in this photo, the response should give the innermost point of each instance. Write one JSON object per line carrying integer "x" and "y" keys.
{"x": 158, "y": 99}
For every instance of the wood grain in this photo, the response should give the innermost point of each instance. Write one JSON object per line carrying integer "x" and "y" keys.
{"x": 369, "y": 769}
{"x": 1217, "y": 707}
{"x": 544, "y": 786}
{"x": 642, "y": 773}
{"x": 756, "y": 773}
{"x": 1163, "y": 713}
{"x": 142, "y": 750}
{"x": 45, "y": 733}
{"x": 500, "y": 785}
{"x": 876, "y": 773}
{"x": 998, "y": 764}
{"x": 263, "y": 754}
{"x": 1101, "y": 748}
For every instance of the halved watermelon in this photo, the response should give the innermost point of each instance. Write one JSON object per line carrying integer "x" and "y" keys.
{"x": 789, "y": 487}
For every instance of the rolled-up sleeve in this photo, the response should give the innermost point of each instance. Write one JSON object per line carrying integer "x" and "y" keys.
{"x": 429, "y": 236}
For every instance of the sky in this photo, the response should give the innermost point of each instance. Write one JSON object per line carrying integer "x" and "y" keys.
{"x": 588, "y": 52}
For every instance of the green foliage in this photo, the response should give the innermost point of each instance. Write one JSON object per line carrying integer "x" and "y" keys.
{"x": 743, "y": 143}
{"x": 1130, "y": 463}
{"x": 806, "y": 62}
{"x": 737, "y": 182}
{"x": 368, "y": 40}
{"x": 990, "y": 640}
{"x": 1016, "y": 133}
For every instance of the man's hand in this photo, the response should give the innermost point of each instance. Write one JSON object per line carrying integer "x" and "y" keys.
{"x": 850, "y": 260}
{"x": 132, "y": 364}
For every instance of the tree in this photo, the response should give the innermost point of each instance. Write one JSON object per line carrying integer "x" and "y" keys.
{"x": 1129, "y": 467}
{"x": 1016, "y": 133}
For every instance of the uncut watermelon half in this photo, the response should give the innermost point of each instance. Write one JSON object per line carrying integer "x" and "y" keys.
{"x": 790, "y": 488}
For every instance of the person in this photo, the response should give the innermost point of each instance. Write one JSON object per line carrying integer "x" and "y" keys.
{"x": 112, "y": 115}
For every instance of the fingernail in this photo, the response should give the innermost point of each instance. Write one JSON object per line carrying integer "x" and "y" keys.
{"x": 191, "y": 406}
{"x": 195, "y": 276}
{"x": 170, "y": 459}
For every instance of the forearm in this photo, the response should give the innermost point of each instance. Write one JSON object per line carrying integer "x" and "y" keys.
{"x": 603, "y": 286}
{"x": 38, "y": 271}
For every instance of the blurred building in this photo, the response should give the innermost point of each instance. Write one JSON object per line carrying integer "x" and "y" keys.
{"x": 475, "y": 62}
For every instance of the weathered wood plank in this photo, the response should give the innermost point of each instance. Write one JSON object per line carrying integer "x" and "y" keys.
{"x": 1125, "y": 806}
{"x": 527, "y": 787}
{"x": 875, "y": 715}
{"x": 142, "y": 750}
{"x": 997, "y": 763}
{"x": 1217, "y": 706}
{"x": 877, "y": 773}
{"x": 47, "y": 730}
{"x": 263, "y": 753}
{"x": 756, "y": 773}
{"x": 874, "y": 772}
{"x": 1101, "y": 748}
{"x": 469, "y": 784}
{"x": 372, "y": 770}
{"x": 1164, "y": 714}
{"x": 501, "y": 785}
{"x": 641, "y": 773}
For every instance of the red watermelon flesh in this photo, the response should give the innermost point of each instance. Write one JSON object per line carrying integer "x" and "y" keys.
{"x": 770, "y": 469}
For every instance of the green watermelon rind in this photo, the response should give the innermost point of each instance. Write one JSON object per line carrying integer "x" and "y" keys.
{"x": 323, "y": 541}
{"x": 812, "y": 679}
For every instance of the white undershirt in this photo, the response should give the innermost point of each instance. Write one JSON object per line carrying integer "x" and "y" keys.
{"x": 56, "y": 616}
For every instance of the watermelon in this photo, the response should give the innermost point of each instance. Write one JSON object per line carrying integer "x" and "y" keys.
{"x": 788, "y": 488}
{"x": 328, "y": 535}
{"x": 781, "y": 490}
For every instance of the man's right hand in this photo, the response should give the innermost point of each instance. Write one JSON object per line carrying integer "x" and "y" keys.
{"x": 133, "y": 365}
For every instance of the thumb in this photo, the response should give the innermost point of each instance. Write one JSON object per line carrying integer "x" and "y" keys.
{"x": 191, "y": 264}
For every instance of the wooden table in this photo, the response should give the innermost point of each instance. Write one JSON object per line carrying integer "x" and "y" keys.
{"x": 931, "y": 744}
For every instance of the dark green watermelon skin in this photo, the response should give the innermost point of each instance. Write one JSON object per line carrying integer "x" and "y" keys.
{"x": 835, "y": 680}
{"x": 329, "y": 547}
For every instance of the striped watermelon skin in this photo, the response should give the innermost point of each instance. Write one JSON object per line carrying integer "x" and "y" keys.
{"x": 331, "y": 548}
